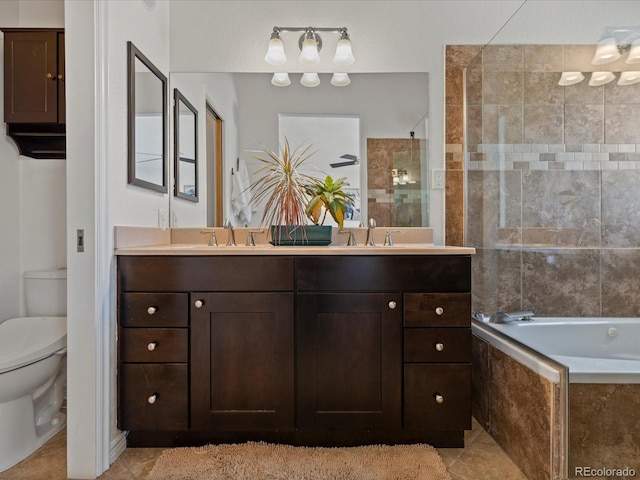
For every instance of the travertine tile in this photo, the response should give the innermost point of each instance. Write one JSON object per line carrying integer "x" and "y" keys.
{"x": 546, "y": 58}
{"x": 620, "y": 208}
{"x": 454, "y": 198}
{"x": 542, "y": 87}
{"x": 562, "y": 282}
{"x": 621, "y": 123}
{"x": 462, "y": 54}
{"x": 496, "y": 280}
{"x": 543, "y": 123}
{"x": 503, "y": 54}
{"x": 620, "y": 282}
{"x": 502, "y": 123}
{"x": 473, "y": 84}
{"x": 582, "y": 93}
{"x": 454, "y": 85}
{"x": 501, "y": 87}
{"x": 583, "y": 124}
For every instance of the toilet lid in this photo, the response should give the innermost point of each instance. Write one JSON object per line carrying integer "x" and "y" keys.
{"x": 29, "y": 339}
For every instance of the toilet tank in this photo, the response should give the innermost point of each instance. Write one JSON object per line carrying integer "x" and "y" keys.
{"x": 46, "y": 293}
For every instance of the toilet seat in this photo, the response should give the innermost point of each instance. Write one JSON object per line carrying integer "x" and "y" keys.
{"x": 26, "y": 340}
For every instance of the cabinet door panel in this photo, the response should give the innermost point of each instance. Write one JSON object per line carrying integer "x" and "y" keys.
{"x": 349, "y": 361}
{"x": 242, "y": 361}
{"x": 437, "y": 397}
{"x": 31, "y": 86}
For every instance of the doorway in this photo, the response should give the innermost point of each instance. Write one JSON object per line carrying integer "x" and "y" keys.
{"x": 214, "y": 167}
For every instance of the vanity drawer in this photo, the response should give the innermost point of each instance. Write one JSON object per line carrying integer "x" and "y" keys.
{"x": 153, "y": 397}
{"x": 437, "y": 310}
{"x": 151, "y": 345}
{"x": 154, "y": 309}
{"x": 437, "y": 345}
{"x": 437, "y": 397}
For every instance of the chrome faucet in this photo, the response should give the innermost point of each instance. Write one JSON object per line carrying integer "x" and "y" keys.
{"x": 369, "y": 241}
{"x": 231, "y": 238}
{"x": 213, "y": 241}
{"x": 250, "y": 241}
{"x": 502, "y": 317}
{"x": 351, "y": 240}
{"x": 388, "y": 241}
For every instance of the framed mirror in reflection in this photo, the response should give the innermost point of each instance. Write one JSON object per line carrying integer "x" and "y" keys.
{"x": 147, "y": 122}
{"x": 185, "y": 120}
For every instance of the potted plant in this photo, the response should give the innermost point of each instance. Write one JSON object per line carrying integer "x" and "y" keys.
{"x": 291, "y": 197}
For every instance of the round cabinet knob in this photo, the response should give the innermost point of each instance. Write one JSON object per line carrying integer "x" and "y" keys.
{"x": 392, "y": 305}
{"x": 439, "y": 311}
{"x": 152, "y": 346}
{"x": 199, "y": 303}
{"x": 49, "y": 76}
{"x": 439, "y": 398}
{"x": 439, "y": 347}
{"x": 60, "y": 76}
{"x": 151, "y": 310}
{"x": 152, "y": 399}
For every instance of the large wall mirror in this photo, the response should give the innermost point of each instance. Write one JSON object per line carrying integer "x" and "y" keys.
{"x": 185, "y": 139}
{"x": 147, "y": 122}
{"x": 389, "y": 107}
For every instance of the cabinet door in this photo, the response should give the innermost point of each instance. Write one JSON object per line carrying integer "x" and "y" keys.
{"x": 242, "y": 364}
{"x": 31, "y": 77}
{"x": 349, "y": 370}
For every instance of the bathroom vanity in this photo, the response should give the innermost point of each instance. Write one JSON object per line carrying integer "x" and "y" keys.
{"x": 349, "y": 346}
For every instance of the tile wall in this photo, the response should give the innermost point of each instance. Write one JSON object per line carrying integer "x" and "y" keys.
{"x": 560, "y": 161}
{"x": 396, "y": 205}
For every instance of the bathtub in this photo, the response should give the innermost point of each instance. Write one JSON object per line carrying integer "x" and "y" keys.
{"x": 595, "y": 350}
{"x": 580, "y": 381}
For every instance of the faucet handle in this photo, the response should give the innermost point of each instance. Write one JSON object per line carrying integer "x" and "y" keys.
{"x": 250, "y": 241}
{"x": 388, "y": 241}
{"x": 213, "y": 241}
{"x": 351, "y": 240}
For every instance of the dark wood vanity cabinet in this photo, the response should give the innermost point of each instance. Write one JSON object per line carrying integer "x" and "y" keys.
{"x": 34, "y": 90}
{"x": 326, "y": 350}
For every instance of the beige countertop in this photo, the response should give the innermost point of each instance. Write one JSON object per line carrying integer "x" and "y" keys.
{"x": 193, "y": 242}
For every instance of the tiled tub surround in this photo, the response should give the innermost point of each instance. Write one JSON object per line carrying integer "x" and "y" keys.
{"x": 603, "y": 403}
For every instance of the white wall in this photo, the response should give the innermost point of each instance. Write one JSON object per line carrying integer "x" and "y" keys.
{"x": 32, "y": 224}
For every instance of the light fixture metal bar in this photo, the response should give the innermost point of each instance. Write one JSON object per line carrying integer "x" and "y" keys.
{"x": 315, "y": 29}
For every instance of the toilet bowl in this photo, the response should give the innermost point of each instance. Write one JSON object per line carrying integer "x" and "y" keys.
{"x": 32, "y": 376}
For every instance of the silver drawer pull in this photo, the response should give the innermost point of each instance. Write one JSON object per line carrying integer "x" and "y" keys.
{"x": 439, "y": 347}
{"x": 439, "y": 398}
{"x": 152, "y": 346}
{"x": 152, "y": 310}
{"x": 439, "y": 311}
{"x": 199, "y": 303}
{"x": 392, "y": 305}
{"x": 152, "y": 399}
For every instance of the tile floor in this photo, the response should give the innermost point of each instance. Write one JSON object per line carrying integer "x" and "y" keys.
{"x": 481, "y": 459}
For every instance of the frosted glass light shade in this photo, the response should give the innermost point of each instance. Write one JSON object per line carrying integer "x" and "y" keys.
{"x": 634, "y": 52}
{"x": 310, "y": 80}
{"x": 606, "y": 52}
{"x": 629, "y": 78}
{"x": 309, "y": 54}
{"x": 281, "y": 80}
{"x": 340, "y": 80}
{"x": 570, "y": 78}
{"x": 275, "y": 53}
{"x": 344, "y": 55}
{"x": 600, "y": 78}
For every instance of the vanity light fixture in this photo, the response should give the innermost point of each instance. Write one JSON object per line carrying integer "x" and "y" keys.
{"x": 634, "y": 52}
{"x": 310, "y": 79}
{"x": 601, "y": 78}
{"x": 629, "y": 78}
{"x": 607, "y": 51}
{"x": 281, "y": 79}
{"x": 310, "y": 44}
{"x": 570, "y": 78}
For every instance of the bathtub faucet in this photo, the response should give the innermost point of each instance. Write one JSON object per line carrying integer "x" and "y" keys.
{"x": 502, "y": 317}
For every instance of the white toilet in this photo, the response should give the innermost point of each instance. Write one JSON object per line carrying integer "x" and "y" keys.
{"x": 33, "y": 369}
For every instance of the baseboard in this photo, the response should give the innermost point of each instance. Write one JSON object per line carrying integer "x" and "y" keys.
{"x": 118, "y": 445}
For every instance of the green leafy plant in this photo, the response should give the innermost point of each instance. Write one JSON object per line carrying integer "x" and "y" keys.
{"x": 328, "y": 197}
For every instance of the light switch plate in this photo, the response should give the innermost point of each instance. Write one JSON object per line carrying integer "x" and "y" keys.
{"x": 438, "y": 178}
{"x": 163, "y": 218}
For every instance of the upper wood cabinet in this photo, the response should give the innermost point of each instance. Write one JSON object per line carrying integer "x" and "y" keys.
{"x": 34, "y": 90}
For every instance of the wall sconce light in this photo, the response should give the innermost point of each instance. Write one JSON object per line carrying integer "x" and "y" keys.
{"x": 616, "y": 42}
{"x": 634, "y": 52}
{"x": 607, "y": 51}
{"x": 281, "y": 80}
{"x": 310, "y": 44}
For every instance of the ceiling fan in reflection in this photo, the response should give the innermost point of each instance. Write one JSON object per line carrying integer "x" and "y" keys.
{"x": 349, "y": 160}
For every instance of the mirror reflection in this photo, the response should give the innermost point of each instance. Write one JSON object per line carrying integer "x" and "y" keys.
{"x": 391, "y": 109}
{"x": 147, "y": 122}
{"x": 186, "y": 148}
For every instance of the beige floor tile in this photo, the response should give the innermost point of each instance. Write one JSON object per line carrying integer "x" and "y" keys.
{"x": 481, "y": 459}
